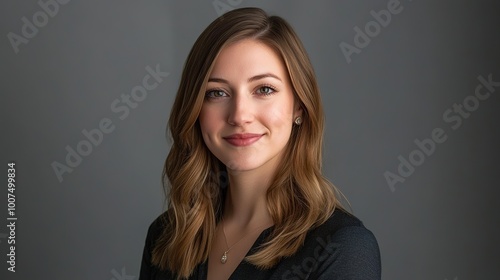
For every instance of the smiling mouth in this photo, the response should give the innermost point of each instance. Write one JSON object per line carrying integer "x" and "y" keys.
{"x": 244, "y": 139}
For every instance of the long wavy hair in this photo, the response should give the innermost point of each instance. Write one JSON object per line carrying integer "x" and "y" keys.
{"x": 299, "y": 197}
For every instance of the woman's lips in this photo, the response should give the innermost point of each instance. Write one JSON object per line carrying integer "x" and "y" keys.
{"x": 243, "y": 139}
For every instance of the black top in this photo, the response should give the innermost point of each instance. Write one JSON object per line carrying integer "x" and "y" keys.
{"x": 341, "y": 248}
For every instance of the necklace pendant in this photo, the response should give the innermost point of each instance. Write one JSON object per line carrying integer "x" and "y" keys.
{"x": 224, "y": 258}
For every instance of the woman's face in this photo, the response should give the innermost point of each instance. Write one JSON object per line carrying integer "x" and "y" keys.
{"x": 248, "y": 112}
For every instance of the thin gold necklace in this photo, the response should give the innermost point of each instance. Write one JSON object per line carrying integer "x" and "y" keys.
{"x": 223, "y": 259}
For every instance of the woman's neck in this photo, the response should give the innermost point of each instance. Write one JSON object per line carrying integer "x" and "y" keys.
{"x": 246, "y": 202}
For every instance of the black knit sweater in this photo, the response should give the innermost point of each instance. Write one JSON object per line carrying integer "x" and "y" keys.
{"x": 341, "y": 248}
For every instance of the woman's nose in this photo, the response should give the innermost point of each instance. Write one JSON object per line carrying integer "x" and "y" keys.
{"x": 241, "y": 110}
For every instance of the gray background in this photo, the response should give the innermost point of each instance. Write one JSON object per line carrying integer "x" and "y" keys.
{"x": 440, "y": 223}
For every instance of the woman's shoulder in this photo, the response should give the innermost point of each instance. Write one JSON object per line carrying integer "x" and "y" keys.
{"x": 158, "y": 226}
{"x": 347, "y": 245}
{"x": 155, "y": 230}
{"x": 340, "y": 220}
{"x": 347, "y": 230}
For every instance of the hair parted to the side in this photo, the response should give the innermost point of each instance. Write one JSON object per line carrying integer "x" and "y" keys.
{"x": 299, "y": 198}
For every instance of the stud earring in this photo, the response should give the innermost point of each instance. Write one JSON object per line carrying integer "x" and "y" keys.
{"x": 298, "y": 120}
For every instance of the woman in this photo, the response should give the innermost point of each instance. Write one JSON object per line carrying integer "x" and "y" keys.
{"x": 247, "y": 199}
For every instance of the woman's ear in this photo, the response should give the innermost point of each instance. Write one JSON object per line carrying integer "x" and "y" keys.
{"x": 297, "y": 109}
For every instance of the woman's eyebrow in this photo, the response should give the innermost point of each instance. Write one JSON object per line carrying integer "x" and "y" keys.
{"x": 251, "y": 79}
{"x": 262, "y": 76}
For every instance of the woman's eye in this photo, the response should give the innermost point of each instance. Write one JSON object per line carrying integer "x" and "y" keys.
{"x": 215, "y": 94}
{"x": 265, "y": 90}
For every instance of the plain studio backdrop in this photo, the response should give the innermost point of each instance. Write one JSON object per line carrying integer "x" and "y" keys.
{"x": 410, "y": 89}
